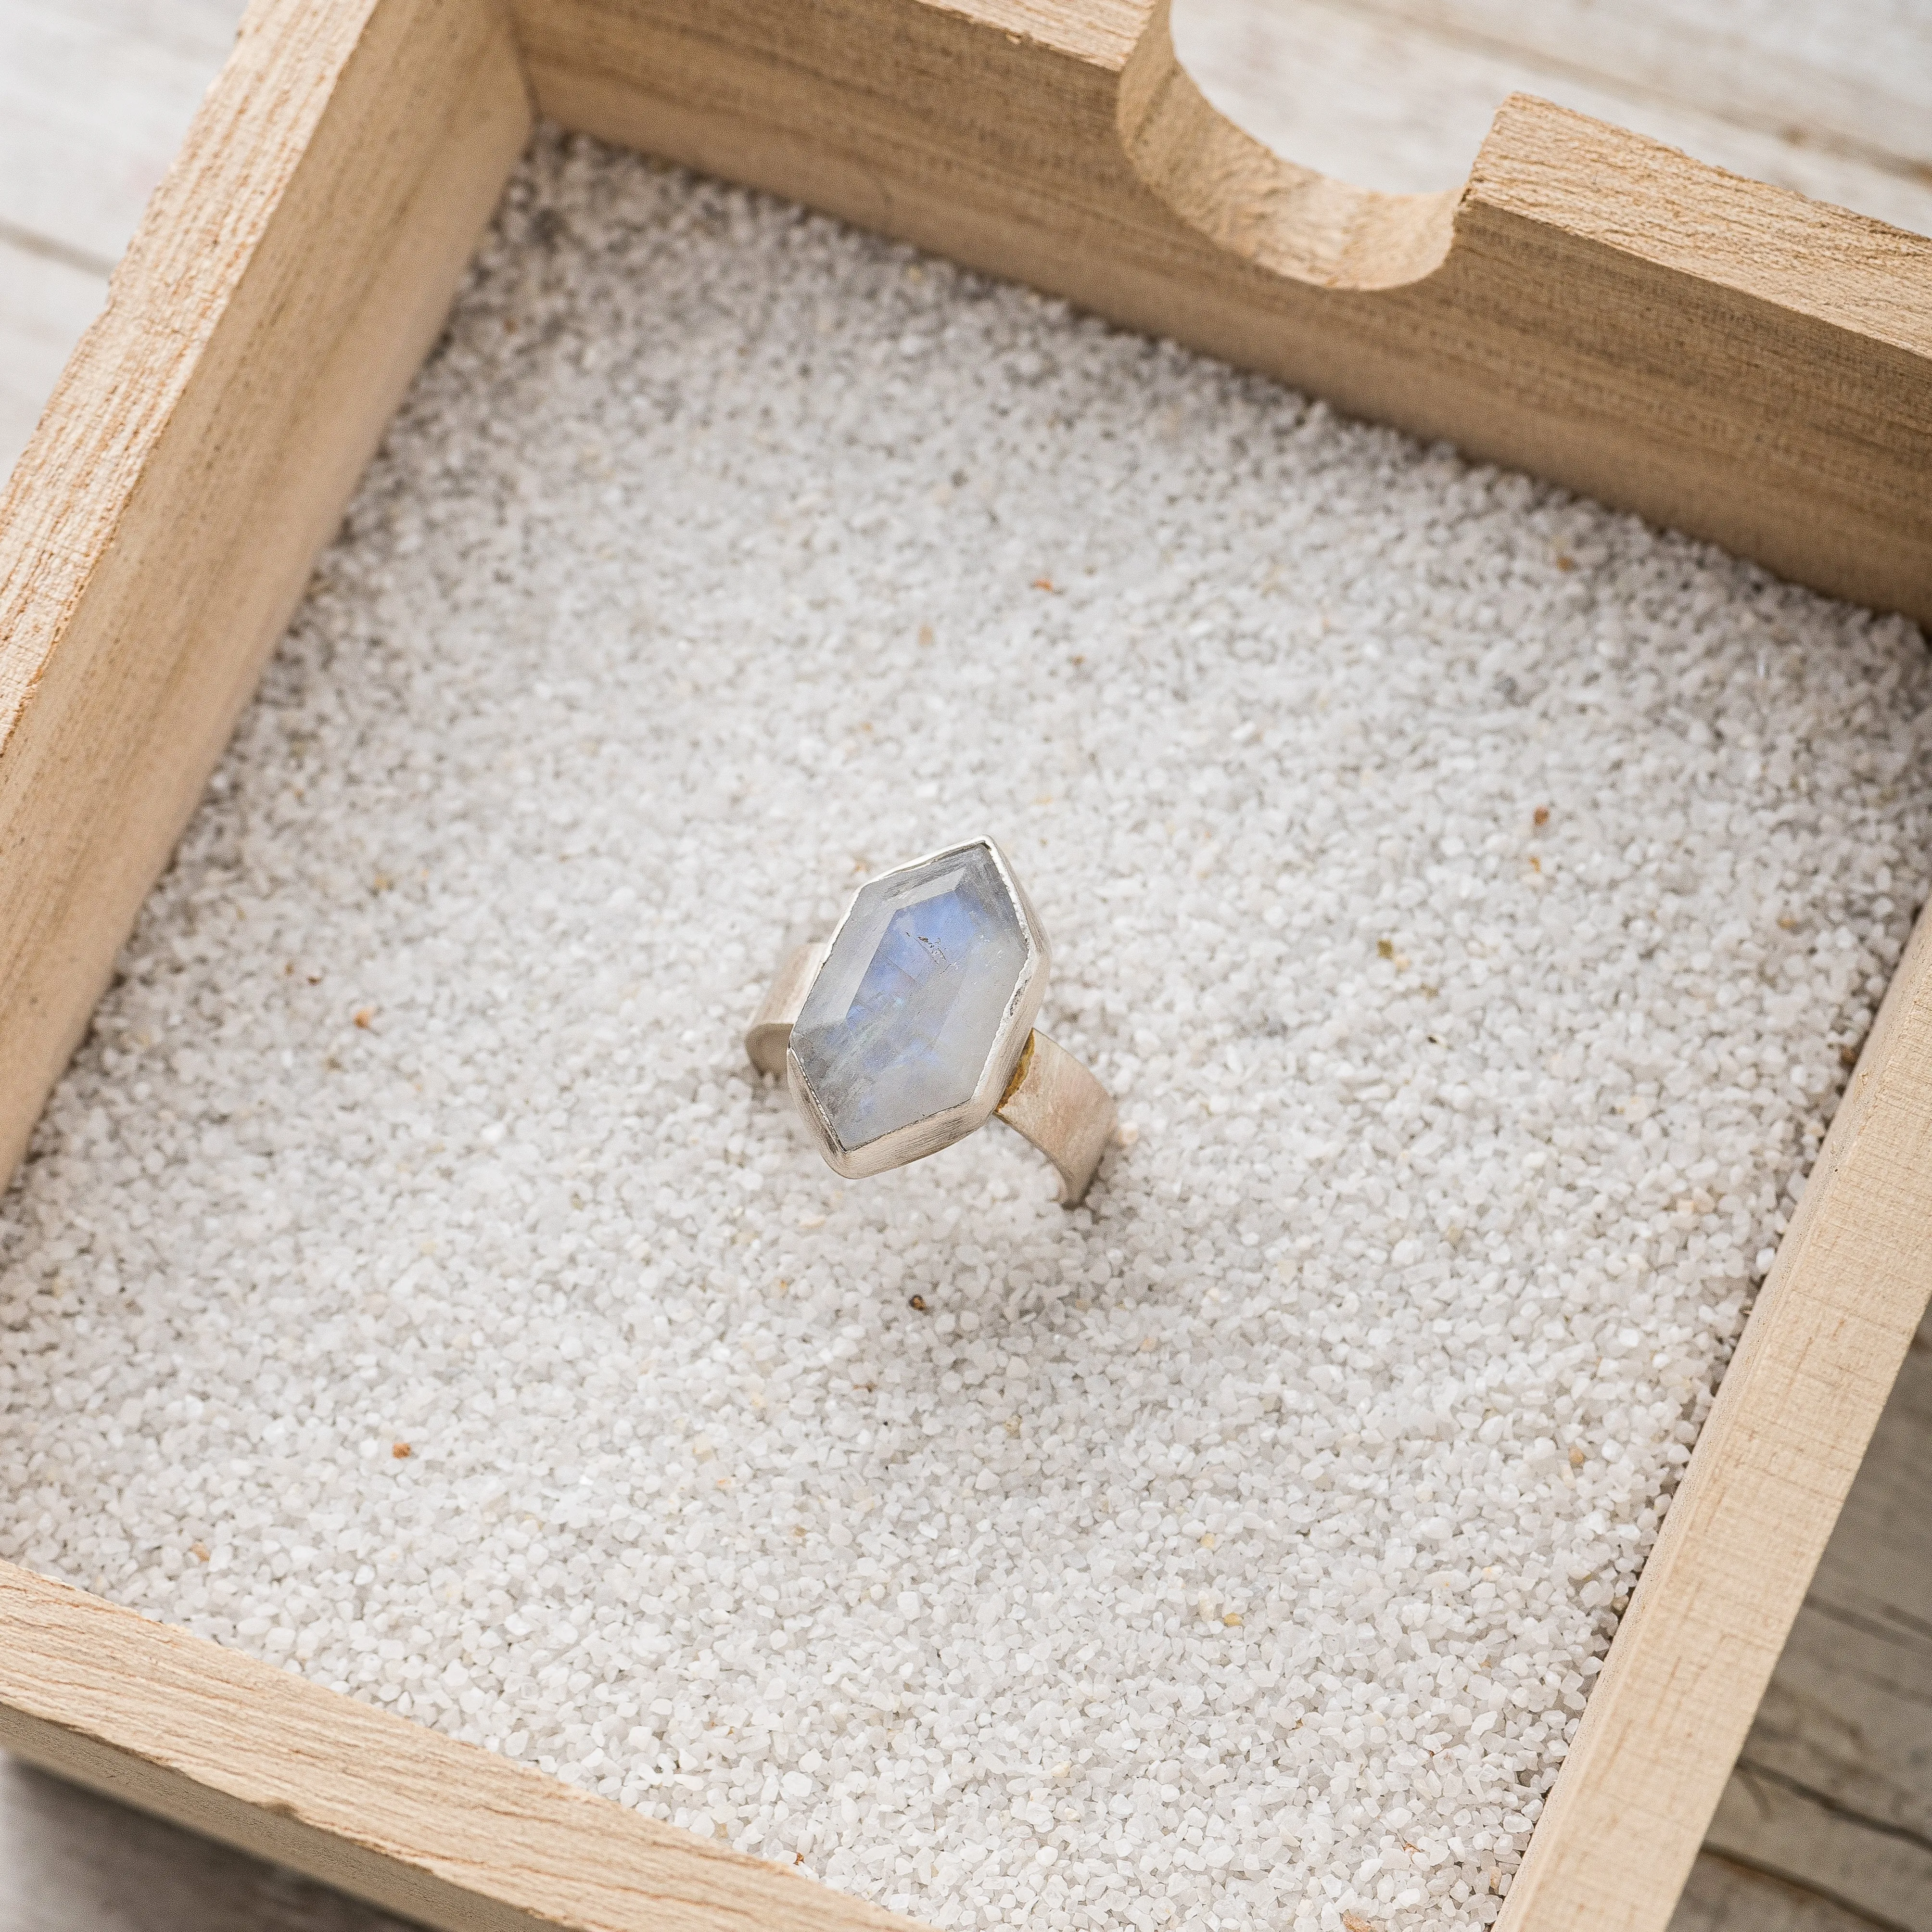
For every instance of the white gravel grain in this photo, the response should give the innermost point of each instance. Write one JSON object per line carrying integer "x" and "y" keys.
{"x": 1473, "y": 894}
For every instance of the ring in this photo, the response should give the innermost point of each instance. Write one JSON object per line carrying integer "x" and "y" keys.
{"x": 912, "y": 1025}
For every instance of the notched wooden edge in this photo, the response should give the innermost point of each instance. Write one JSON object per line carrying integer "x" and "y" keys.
{"x": 1243, "y": 197}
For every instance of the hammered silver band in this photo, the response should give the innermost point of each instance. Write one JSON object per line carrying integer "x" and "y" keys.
{"x": 1050, "y": 1100}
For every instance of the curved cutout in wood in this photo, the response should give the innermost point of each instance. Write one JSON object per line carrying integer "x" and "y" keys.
{"x": 1243, "y": 197}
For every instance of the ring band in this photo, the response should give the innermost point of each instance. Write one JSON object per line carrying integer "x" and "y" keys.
{"x": 912, "y": 1025}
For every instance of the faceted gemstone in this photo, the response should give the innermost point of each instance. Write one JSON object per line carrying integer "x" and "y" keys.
{"x": 898, "y": 1024}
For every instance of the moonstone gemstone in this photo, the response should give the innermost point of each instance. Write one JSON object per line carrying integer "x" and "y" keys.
{"x": 900, "y": 1021}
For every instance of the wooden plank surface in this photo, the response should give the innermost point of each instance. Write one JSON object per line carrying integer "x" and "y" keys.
{"x": 1833, "y": 1790}
{"x": 95, "y": 98}
{"x": 1725, "y": 1897}
{"x": 1834, "y": 102}
{"x": 1849, "y": 76}
{"x": 71, "y": 1861}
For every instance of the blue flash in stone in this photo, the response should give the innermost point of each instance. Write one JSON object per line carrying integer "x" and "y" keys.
{"x": 899, "y": 1024}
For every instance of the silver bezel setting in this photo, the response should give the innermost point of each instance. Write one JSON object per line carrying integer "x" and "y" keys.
{"x": 920, "y": 1138}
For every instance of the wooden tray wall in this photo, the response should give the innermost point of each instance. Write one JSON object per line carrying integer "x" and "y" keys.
{"x": 1718, "y": 355}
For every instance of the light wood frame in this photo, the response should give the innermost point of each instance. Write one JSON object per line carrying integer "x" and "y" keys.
{"x": 1718, "y": 355}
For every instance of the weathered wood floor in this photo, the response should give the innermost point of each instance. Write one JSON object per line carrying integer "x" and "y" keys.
{"x": 1833, "y": 1789}
{"x": 72, "y": 1862}
{"x": 1827, "y": 1824}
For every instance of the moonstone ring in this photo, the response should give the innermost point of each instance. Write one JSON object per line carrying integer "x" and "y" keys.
{"x": 912, "y": 1025}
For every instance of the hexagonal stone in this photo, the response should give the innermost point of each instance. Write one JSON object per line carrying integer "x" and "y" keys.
{"x": 900, "y": 1023}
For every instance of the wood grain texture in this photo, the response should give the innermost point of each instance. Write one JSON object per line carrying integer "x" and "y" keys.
{"x": 71, "y": 1861}
{"x": 397, "y": 1814}
{"x": 1717, "y": 354}
{"x": 1391, "y": 101}
{"x": 50, "y": 299}
{"x": 1833, "y": 1788}
{"x": 1811, "y": 1845}
{"x": 1765, "y": 1485}
{"x": 1723, "y": 1896}
{"x": 95, "y": 98}
{"x": 295, "y": 265}
{"x": 1852, "y": 76}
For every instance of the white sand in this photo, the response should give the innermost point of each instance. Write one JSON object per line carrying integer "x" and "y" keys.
{"x": 1236, "y": 1551}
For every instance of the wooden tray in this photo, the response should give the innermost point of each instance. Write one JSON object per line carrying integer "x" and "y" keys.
{"x": 1717, "y": 355}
